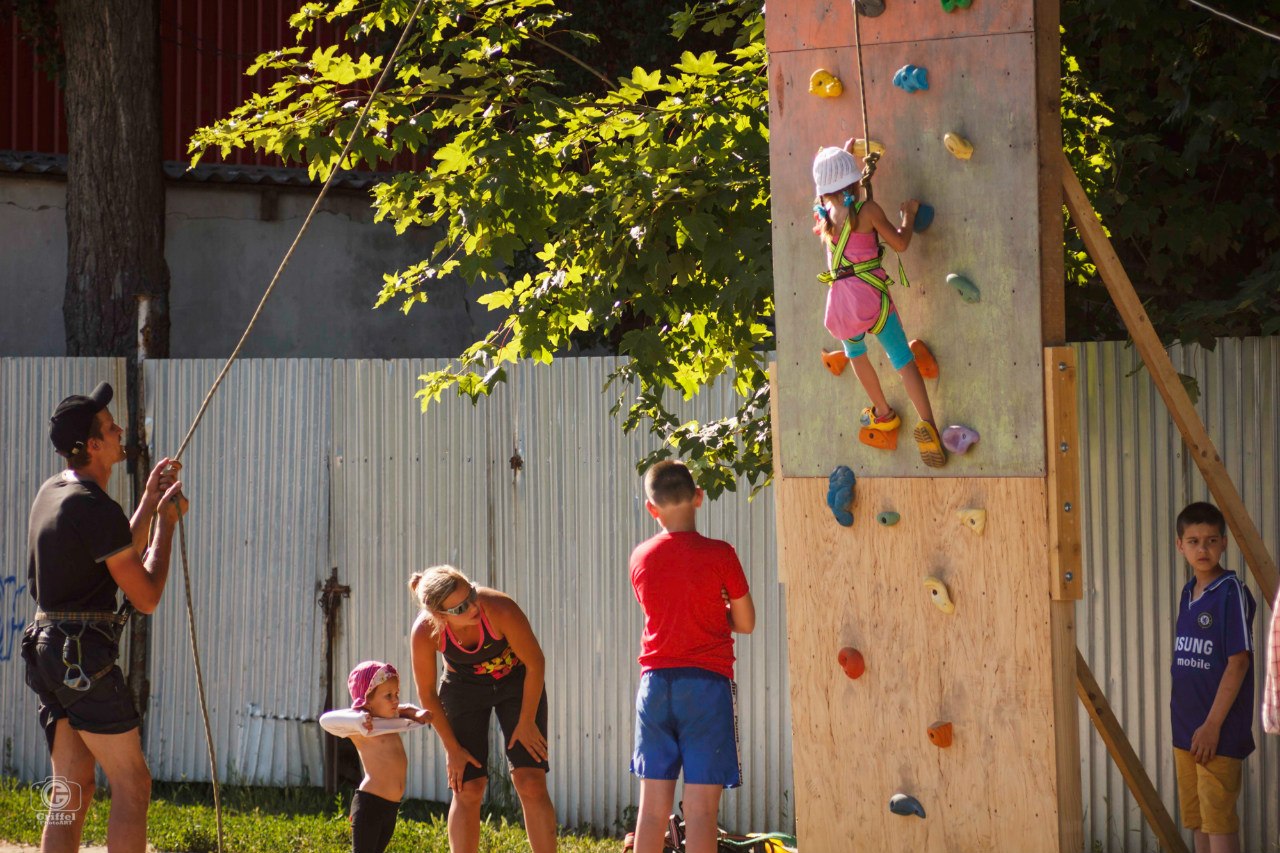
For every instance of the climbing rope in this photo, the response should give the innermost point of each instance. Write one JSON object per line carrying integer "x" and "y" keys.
{"x": 871, "y": 158}
{"x": 204, "y": 406}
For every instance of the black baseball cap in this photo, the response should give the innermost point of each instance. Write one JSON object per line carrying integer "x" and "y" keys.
{"x": 73, "y": 419}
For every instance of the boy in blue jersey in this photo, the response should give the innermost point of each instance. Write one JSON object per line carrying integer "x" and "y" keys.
{"x": 1212, "y": 695}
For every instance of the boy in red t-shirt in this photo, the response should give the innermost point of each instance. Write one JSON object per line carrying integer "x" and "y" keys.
{"x": 694, "y": 596}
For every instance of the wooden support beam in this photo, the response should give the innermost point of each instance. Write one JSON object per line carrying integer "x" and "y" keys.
{"x": 1063, "y": 464}
{"x": 1053, "y": 313}
{"x": 1066, "y": 726}
{"x": 776, "y": 444}
{"x": 1135, "y": 777}
{"x": 1166, "y": 380}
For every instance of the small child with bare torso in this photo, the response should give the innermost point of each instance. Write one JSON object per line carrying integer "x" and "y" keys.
{"x": 375, "y": 712}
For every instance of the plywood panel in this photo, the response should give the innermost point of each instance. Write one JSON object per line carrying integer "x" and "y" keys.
{"x": 800, "y": 26}
{"x": 986, "y": 668}
{"x": 987, "y": 228}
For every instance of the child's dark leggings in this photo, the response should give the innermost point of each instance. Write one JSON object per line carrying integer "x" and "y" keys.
{"x": 373, "y": 820}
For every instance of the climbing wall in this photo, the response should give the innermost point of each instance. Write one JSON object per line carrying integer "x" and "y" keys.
{"x": 979, "y": 63}
{"x": 983, "y": 668}
{"x": 949, "y": 583}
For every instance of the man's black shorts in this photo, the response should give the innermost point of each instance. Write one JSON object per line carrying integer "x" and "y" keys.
{"x": 467, "y": 707}
{"x": 106, "y": 708}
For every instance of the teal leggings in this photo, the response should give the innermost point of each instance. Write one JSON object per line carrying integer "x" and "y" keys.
{"x": 891, "y": 337}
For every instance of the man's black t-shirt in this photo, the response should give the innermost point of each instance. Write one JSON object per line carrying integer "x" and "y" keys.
{"x": 74, "y": 528}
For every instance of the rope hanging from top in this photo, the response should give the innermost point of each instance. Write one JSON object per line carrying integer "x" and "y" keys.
{"x": 872, "y": 157}
{"x": 204, "y": 405}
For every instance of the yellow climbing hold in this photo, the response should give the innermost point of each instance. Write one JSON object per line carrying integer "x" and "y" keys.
{"x": 938, "y": 592}
{"x": 961, "y": 148}
{"x": 858, "y": 148}
{"x": 824, "y": 84}
{"x": 974, "y": 519}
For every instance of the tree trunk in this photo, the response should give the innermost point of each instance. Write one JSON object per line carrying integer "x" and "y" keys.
{"x": 115, "y": 179}
{"x": 115, "y": 211}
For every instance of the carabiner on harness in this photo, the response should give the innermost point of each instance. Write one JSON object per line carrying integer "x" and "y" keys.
{"x": 75, "y": 679}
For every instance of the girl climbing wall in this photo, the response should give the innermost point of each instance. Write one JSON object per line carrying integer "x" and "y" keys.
{"x": 858, "y": 301}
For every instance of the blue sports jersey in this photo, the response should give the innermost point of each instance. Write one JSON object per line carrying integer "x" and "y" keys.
{"x": 1211, "y": 629}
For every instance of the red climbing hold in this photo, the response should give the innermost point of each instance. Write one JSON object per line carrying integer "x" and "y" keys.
{"x": 851, "y": 659}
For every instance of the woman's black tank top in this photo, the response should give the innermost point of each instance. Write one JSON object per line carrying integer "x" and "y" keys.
{"x": 491, "y": 659}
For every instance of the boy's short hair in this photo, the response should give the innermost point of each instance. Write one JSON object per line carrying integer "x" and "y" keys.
{"x": 669, "y": 482}
{"x": 1201, "y": 512}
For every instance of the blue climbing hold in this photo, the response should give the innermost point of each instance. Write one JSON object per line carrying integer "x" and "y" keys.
{"x": 924, "y": 218}
{"x": 840, "y": 490}
{"x": 905, "y": 804}
{"x": 911, "y": 78}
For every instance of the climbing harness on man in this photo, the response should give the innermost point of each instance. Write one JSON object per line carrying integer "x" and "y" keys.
{"x": 73, "y": 625}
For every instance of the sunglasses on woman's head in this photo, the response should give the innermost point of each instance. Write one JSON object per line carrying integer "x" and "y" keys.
{"x": 462, "y": 606}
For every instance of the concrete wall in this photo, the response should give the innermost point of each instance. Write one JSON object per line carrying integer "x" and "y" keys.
{"x": 223, "y": 244}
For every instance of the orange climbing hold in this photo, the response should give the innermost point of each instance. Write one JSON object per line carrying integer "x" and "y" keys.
{"x": 924, "y": 359}
{"x": 851, "y": 659}
{"x": 879, "y": 439}
{"x": 940, "y": 734}
{"x": 836, "y": 361}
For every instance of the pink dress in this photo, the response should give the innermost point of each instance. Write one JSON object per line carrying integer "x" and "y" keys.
{"x": 853, "y": 305}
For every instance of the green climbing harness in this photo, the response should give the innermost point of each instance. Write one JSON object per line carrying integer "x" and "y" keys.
{"x": 842, "y": 267}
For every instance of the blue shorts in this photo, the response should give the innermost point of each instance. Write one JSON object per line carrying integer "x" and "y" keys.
{"x": 891, "y": 337}
{"x": 687, "y": 717}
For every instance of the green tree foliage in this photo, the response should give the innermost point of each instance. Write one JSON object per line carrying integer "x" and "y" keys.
{"x": 635, "y": 210}
{"x": 629, "y": 206}
{"x": 1171, "y": 116}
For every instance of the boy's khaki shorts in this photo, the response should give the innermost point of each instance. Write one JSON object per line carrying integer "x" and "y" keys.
{"x": 1208, "y": 792}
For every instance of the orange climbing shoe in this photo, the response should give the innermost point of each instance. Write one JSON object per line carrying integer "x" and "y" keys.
{"x": 836, "y": 361}
{"x": 924, "y": 359}
{"x": 931, "y": 452}
{"x": 878, "y": 439}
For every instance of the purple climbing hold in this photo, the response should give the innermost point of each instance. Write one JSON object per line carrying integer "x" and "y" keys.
{"x": 958, "y": 439}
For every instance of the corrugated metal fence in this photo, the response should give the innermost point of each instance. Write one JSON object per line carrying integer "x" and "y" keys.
{"x": 303, "y": 466}
{"x": 1135, "y": 477}
{"x": 30, "y": 388}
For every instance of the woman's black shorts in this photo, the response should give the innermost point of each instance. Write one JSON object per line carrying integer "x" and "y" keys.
{"x": 467, "y": 707}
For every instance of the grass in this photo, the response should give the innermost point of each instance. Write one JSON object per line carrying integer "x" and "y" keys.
{"x": 264, "y": 820}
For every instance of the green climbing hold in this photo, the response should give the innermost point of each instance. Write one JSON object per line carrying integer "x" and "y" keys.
{"x": 888, "y": 519}
{"x": 968, "y": 290}
{"x": 952, "y": 5}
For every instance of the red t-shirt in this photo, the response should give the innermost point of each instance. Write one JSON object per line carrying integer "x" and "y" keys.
{"x": 677, "y": 579}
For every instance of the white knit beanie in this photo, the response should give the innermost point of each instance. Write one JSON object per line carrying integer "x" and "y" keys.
{"x": 834, "y": 169}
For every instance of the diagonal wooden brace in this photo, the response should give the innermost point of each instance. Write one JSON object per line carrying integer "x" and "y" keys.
{"x": 1135, "y": 777}
{"x": 1148, "y": 344}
